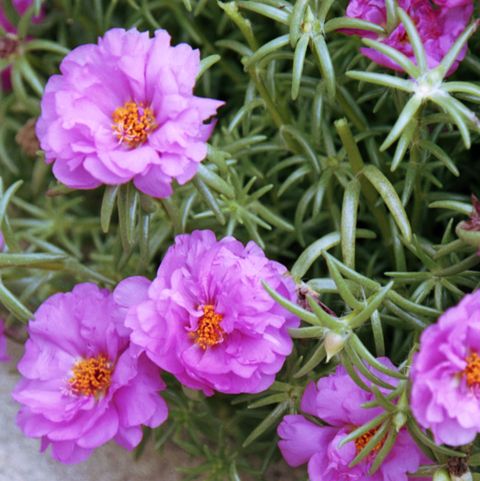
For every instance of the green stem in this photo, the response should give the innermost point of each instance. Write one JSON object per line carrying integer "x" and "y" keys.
{"x": 370, "y": 194}
{"x": 277, "y": 116}
{"x": 416, "y": 160}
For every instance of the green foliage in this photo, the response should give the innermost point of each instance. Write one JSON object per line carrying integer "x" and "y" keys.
{"x": 302, "y": 163}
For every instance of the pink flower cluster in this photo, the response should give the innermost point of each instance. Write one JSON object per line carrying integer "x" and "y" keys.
{"x": 439, "y": 24}
{"x": 91, "y": 373}
{"x": 124, "y": 110}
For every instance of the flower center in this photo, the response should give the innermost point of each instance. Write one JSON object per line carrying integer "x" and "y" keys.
{"x": 365, "y": 438}
{"x": 209, "y": 332}
{"x": 472, "y": 371}
{"x": 133, "y": 123}
{"x": 91, "y": 376}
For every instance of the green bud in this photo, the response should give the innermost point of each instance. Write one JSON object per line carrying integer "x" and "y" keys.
{"x": 399, "y": 420}
{"x": 334, "y": 343}
{"x": 441, "y": 475}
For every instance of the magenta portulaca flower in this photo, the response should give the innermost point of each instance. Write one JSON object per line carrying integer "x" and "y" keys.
{"x": 82, "y": 383}
{"x": 3, "y": 343}
{"x": 438, "y": 26}
{"x": 337, "y": 401}
{"x": 373, "y": 11}
{"x": 446, "y": 375}
{"x": 206, "y": 317}
{"x": 453, "y": 3}
{"x": 123, "y": 110}
{"x": 8, "y": 44}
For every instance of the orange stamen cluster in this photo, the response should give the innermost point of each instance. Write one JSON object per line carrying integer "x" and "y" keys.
{"x": 365, "y": 438}
{"x": 209, "y": 332}
{"x": 472, "y": 371}
{"x": 133, "y": 123}
{"x": 91, "y": 377}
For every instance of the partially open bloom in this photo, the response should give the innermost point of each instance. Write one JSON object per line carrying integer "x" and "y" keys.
{"x": 337, "y": 400}
{"x": 3, "y": 343}
{"x": 207, "y": 319}
{"x": 446, "y": 375}
{"x": 83, "y": 384}
{"x": 124, "y": 110}
{"x": 438, "y": 28}
{"x": 473, "y": 224}
{"x": 469, "y": 230}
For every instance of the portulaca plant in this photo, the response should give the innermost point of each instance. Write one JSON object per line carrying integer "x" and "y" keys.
{"x": 249, "y": 228}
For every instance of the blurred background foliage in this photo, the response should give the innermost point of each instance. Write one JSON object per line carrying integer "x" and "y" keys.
{"x": 309, "y": 159}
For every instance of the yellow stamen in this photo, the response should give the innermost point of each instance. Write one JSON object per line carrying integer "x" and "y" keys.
{"x": 472, "y": 371}
{"x": 209, "y": 332}
{"x": 365, "y": 438}
{"x": 91, "y": 376}
{"x": 133, "y": 123}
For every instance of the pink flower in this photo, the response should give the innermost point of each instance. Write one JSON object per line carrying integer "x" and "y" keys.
{"x": 83, "y": 384}
{"x": 372, "y": 11}
{"x": 337, "y": 400}
{"x": 3, "y": 343}
{"x": 207, "y": 319}
{"x": 453, "y": 3}
{"x": 8, "y": 44}
{"x": 124, "y": 110}
{"x": 446, "y": 375}
{"x": 438, "y": 28}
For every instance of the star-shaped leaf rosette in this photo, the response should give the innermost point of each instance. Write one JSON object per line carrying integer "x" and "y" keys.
{"x": 373, "y": 441}
{"x": 426, "y": 84}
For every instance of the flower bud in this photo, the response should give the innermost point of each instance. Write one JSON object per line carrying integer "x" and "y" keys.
{"x": 334, "y": 343}
{"x": 469, "y": 236}
{"x": 399, "y": 420}
{"x": 441, "y": 475}
{"x": 469, "y": 231}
